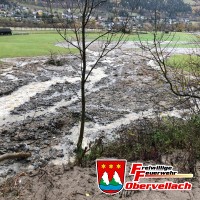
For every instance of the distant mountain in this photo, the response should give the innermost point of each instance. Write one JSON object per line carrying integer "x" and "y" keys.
{"x": 170, "y": 7}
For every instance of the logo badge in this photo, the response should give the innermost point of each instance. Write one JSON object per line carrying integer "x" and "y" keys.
{"x": 110, "y": 175}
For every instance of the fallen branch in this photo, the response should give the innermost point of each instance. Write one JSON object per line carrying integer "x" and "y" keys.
{"x": 14, "y": 156}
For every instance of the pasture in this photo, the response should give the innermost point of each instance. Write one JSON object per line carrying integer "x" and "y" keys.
{"x": 29, "y": 45}
{"x": 39, "y": 43}
{"x": 185, "y": 62}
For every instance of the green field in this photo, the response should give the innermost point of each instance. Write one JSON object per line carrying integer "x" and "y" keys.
{"x": 29, "y": 45}
{"x": 39, "y": 43}
{"x": 185, "y": 62}
{"x": 179, "y": 36}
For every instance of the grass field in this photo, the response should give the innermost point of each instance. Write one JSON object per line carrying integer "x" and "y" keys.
{"x": 185, "y": 62}
{"x": 39, "y": 43}
{"x": 29, "y": 45}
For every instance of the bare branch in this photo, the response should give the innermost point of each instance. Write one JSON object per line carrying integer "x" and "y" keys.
{"x": 14, "y": 156}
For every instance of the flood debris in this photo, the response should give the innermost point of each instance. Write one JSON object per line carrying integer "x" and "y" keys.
{"x": 40, "y": 105}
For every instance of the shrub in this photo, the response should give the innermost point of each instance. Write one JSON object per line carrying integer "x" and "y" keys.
{"x": 152, "y": 140}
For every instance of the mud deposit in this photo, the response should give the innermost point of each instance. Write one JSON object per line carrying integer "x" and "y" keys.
{"x": 40, "y": 106}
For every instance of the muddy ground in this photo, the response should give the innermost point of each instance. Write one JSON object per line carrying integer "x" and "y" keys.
{"x": 40, "y": 112}
{"x": 75, "y": 183}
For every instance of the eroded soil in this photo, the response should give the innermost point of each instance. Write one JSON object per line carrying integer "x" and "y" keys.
{"x": 75, "y": 183}
{"x": 40, "y": 112}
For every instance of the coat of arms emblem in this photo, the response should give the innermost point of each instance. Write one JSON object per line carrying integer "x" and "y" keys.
{"x": 110, "y": 175}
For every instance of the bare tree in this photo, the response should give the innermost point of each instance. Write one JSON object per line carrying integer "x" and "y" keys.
{"x": 80, "y": 13}
{"x": 182, "y": 83}
{"x": 183, "y": 78}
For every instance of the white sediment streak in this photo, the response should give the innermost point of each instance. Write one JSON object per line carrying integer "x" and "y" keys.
{"x": 24, "y": 93}
{"x": 94, "y": 130}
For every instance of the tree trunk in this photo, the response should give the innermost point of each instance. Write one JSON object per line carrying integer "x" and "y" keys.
{"x": 84, "y": 64}
{"x": 80, "y": 139}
